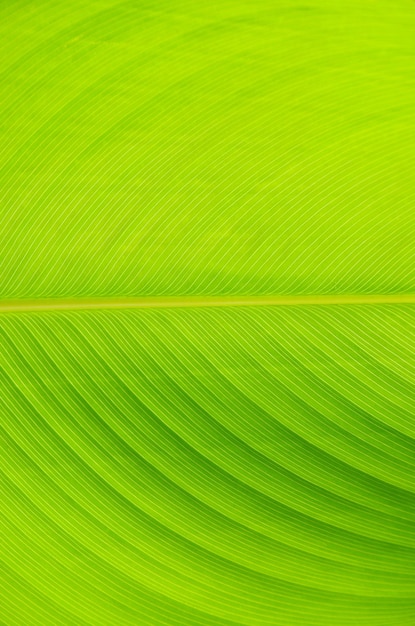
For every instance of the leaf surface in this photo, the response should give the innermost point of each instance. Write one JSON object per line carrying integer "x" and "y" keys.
{"x": 207, "y": 308}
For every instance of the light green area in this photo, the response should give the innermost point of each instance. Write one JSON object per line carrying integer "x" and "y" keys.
{"x": 179, "y": 460}
{"x": 172, "y": 148}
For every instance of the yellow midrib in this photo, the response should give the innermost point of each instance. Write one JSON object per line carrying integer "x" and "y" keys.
{"x": 56, "y": 304}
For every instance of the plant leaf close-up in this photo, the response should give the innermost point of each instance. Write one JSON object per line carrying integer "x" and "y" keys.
{"x": 207, "y": 313}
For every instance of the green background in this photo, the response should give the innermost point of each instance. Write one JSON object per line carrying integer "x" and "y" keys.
{"x": 207, "y": 466}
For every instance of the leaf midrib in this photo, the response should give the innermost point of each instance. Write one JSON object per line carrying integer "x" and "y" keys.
{"x": 63, "y": 304}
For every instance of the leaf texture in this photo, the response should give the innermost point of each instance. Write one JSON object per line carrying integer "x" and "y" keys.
{"x": 175, "y": 448}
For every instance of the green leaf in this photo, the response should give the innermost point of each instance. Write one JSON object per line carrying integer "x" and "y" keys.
{"x": 207, "y": 313}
